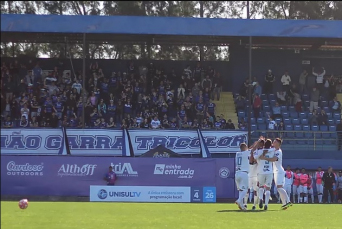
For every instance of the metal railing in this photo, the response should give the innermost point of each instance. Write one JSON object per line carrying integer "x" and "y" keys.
{"x": 309, "y": 140}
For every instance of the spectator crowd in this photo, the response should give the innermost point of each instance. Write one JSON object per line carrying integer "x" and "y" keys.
{"x": 140, "y": 97}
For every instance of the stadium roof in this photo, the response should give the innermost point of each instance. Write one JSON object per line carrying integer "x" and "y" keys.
{"x": 167, "y": 30}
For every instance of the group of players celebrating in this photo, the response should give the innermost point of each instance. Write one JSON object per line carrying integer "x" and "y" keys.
{"x": 255, "y": 169}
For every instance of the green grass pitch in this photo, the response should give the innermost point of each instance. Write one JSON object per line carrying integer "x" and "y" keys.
{"x": 84, "y": 215}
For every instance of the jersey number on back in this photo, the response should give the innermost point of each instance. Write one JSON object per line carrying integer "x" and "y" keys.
{"x": 267, "y": 162}
{"x": 239, "y": 160}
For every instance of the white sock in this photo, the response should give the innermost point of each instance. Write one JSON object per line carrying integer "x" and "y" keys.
{"x": 267, "y": 197}
{"x": 305, "y": 199}
{"x": 242, "y": 195}
{"x": 283, "y": 195}
{"x": 320, "y": 198}
{"x": 300, "y": 199}
{"x": 312, "y": 199}
{"x": 256, "y": 200}
{"x": 294, "y": 199}
{"x": 261, "y": 194}
{"x": 245, "y": 199}
{"x": 251, "y": 196}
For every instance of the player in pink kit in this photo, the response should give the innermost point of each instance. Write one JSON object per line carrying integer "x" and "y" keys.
{"x": 303, "y": 187}
{"x": 288, "y": 181}
{"x": 296, "y": 183}
{"x": 319, "y": 186}
{"x": 310, "y": 189}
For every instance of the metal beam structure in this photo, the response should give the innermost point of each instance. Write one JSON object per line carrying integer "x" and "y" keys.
{"x": 77, "y": 38}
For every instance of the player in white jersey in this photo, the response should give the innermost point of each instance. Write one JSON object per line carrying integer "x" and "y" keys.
{"x": 253, "y": 173}
{"x": 288, "y": 181}
{"x": 279, "y": 172}
{"x": 241, "y": 173}
{"x": 265, "y": 172}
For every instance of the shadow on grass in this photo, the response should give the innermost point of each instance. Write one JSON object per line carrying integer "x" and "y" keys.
{"x": 248, "y": 211}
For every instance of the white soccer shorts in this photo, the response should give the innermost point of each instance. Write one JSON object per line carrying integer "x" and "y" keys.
{"x": 303, "y": 189}
{"x": 241, "y": 180}
{"x": 253, "y": 183}
{"x": 265, "y": 180}
{"x": 288, "y": 188}
{"x": 319, "y": 188}
{"x": 279, "y": 179}
{"x": 296, "y": 190}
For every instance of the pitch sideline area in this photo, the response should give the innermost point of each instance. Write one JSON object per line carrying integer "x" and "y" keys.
{"x": 55, "y": 215}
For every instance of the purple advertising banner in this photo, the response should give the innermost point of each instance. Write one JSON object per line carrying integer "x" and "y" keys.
{"x": 72, "y": 175}
{"x": 225, "y": 178}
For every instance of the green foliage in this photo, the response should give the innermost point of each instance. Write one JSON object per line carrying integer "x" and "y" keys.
{"x": 323, "y": 10}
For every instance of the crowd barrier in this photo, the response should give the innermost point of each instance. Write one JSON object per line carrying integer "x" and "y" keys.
{"x": 104, "y": 142}
{"x": 73, "y": 175}
{"x": 303, "y": 140}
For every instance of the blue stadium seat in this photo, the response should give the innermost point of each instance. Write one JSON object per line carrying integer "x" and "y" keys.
{"x": 303, "y": 115}
{"x": 287, "y": 121}
{"x": 261, "y": 126}
{"x": 295, "y": 121}
{"x": 265, "y": 102}
{"x": 324, "y": 128}
{"x": 332, "y": 128}
{"x": 337, "y": 115}
{"x": 306, "y": 128}
{"x": 324, "y": 103}
{"x": 307, "y": 134}
{"x": 289, "y": 134}
{"x": 298, "y": 134}
{"x": 304, "y": 121}
{"x": 241, "y": 114}
{"x": 253, "y": 127}
{"x": 314, "y": 128}
{"x": 288, "y": 127}
{"x": 329, "y": 114}
{"x": 331, "y": 103}
{"x": 337, "y": 121}
{"x": 283, "y": 108}
{"x": 236, "y": 95}
{"x": 286, "y": 114}
{"x": 266, "y": 114}
{"x": 305, "y": 97}
{"x": 294, "y": 114}
{"x": 331, "y": 121}
{"x": 273, "y": 103}
{"x": 253, "y": 121}
{"x": 326, "y": 109}
{"x": 318, "y": 135}
{"x": 306, "y": 104}
{"x": 278, "y": 120}
{"x": 301, "y": 142}
{"x": 260, "y": 120}
{"x": 309, "y": 115}
{"x": 272, "y": 97}
{"x": 292, "y": 109}
{"x": 266, "y": 108}
{"x": 263, "y": 97}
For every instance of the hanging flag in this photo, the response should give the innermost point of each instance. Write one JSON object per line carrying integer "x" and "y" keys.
{"x": 125, "y": 144}
{"x": 204, "y": 149}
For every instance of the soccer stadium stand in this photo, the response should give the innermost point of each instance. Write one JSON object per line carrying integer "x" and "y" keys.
{"x": 131, "y": 98}
{"x": 303, "y": 119}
